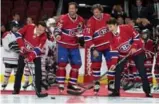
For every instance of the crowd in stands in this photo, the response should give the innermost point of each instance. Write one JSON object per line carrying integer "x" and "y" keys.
{"x": 29, "y": 12}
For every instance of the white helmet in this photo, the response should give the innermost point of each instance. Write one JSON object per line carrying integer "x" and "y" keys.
{"x": 50, "y": 21}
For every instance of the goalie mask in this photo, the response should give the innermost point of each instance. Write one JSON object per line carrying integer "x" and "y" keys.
{"x": 145, "y": 34}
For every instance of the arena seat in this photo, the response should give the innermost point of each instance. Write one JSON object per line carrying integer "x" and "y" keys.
{"x": 48, "y": 4}
{"x": 6, "y": 10}
{"x": 20, "y": 3}
{"x": 36, "y": 4}
{"x": 20, "y": 11}
{"x": 4, "y": 19}
{"x": 6, "y": 3}
{"x": 33, "y": 11}
{"x": 47, "y": 11}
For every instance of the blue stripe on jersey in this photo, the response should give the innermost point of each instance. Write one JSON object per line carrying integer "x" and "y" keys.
{"x": 17, "y": 35}
{"x": 37, "y": 51}
{"x": 87, "y": 38}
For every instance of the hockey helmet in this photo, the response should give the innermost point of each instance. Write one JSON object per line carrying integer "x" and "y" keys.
{"x": 50, "y": 22}
{"x": 14, "y": 26}
{"x": 145, "y": 34}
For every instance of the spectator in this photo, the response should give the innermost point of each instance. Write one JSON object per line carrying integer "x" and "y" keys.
{"x": 139, "y": 11}
{"x": 16, "y": 19}
{"x": 145, "y": 24}
{"x": 30, "y": 21}
{"x": 127, "y": 19}
{"x": 3, "y": 29}
{"x": 133, "y": 24}
{"x": 154, "y": 12}
{"x": 118, "y": 11}
{"x": 120, "y": 20}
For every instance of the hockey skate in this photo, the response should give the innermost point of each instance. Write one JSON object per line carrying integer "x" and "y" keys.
{"x": 52, "y": 82}
{"x": 40, "y": 95}
{"x": 96, "y": 87}
{"x": 4, "y": 85}
{"x": 61, "y": 88}
{"x": 26, "y": 84}
{"x": 45, "y": 85}
{"x": 111, "y": 85}
{"x": 138, "y": 85}
{"x": 156, "y": 88}
{"x": 73, "y": 89}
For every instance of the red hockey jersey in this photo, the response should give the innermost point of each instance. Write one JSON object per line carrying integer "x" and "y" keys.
{"x": 149, "y": 50}
{"x": 26, "y": 38}
{"x": 157, "y": 61}
{"x": 96, "y": 34}
{"x": 123, "y": 41}
{"x": 69, "y": 29}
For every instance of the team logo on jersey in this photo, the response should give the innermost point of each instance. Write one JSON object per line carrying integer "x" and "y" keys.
{"x": 72, "y": 32}
{"x": 28, "y": 46}
{"x": 124, "y": 47}
{"x": 102, "y": 31}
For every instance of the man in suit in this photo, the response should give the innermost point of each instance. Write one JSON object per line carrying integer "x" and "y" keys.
{"x": 139, "y": 11}
{"x": 154, "y": 12}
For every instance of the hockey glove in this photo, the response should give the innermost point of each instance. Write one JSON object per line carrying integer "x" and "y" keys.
{"x": 30, "y": 57}
{"x": 14, "y": 46}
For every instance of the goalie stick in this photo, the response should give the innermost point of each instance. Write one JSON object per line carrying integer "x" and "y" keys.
{"x": 99, "y": 79}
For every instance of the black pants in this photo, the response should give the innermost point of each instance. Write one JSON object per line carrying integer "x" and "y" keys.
{"x": 139, "y": 62}
{"x": 19, "y": 74}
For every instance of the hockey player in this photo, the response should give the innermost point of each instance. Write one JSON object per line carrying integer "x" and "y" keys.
{"x": 69, "y": 28}
{"x": 126, "y": 41}
{"x": 157, "y": 70}
{"x": 51, "y": 58}
{"x": 11, "y": 52}
{"x": 137, "y": 78}
{"x": 31, "y": 40}
{"x": 149, "y": 50}
{"x": 97, "y": 39}
{"x": 48, "y": 45}
{"x": 157, "y": 59}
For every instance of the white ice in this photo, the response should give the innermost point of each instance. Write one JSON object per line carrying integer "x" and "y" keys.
{"x": 60, "y": 99}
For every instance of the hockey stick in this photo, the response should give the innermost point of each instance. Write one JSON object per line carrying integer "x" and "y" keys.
{"x": 99, "y": 79}
{"x": 154, "y": 61}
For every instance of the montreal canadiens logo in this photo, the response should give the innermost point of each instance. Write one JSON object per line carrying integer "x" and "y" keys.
{"x": 72, "y": 32}
{"x": 124, "y": 47}
{"x": 103, "y": 31}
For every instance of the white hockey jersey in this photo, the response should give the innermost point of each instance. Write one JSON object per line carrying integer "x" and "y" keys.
{"x": 9, "y": 56}
{"x": 48, "y": 45}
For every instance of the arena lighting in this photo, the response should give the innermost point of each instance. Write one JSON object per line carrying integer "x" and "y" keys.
{"x": 87, "y": 6}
